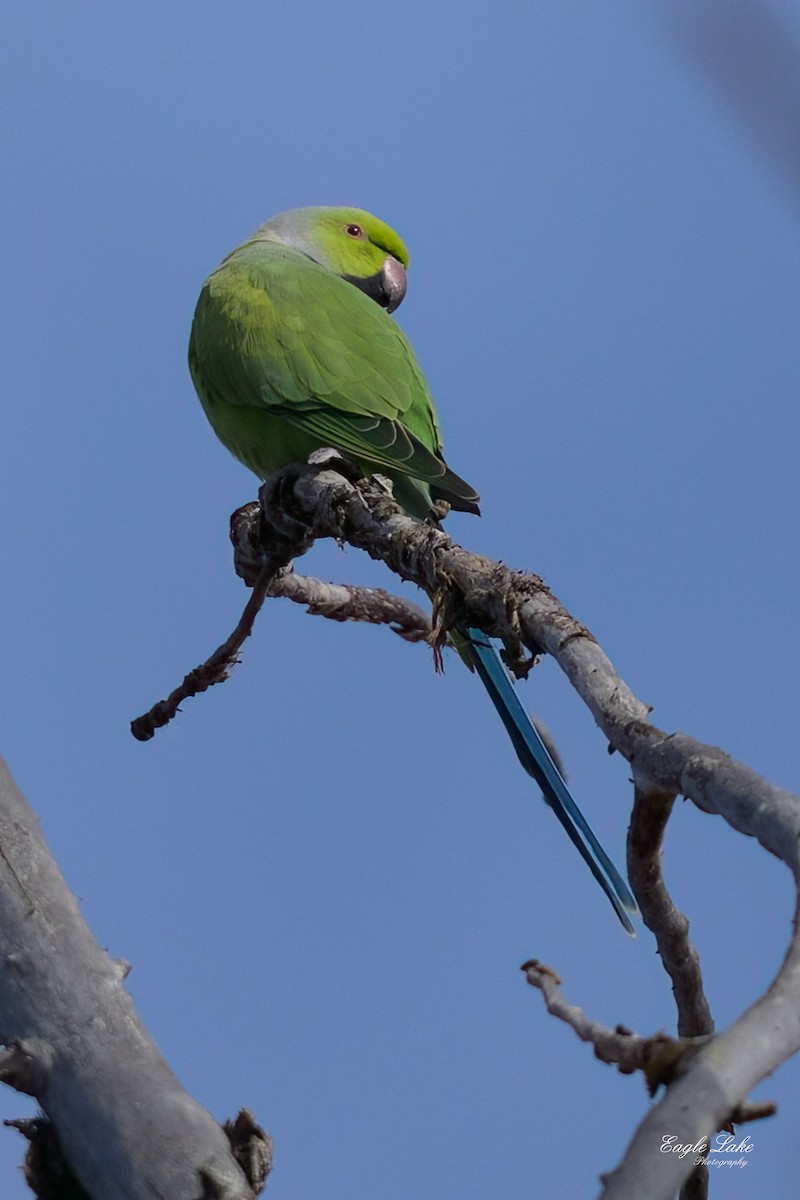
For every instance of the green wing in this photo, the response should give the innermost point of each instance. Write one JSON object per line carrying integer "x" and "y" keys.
{"x": 288, "y": 357}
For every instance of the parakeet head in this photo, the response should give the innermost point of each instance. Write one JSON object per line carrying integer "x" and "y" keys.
{"x": 350, "y": 242}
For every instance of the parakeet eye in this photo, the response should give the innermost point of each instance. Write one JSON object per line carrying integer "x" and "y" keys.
{"x": 354, "y": 231}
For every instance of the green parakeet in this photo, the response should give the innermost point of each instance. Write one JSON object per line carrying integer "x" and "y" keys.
{"x": 293, "y": 349}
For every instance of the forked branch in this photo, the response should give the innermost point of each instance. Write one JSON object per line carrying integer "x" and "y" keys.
{"x": 708, "y": 1084}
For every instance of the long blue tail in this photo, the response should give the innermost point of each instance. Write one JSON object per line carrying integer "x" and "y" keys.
{"x": 479, "y": 653}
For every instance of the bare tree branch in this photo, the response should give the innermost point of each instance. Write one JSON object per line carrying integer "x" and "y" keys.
{"x": 347, "y": 602}
{"x": 707, "y": 1078}
{"x": 518, "y": 607}
{"x": 660, "y": 1058}
{"x": 651, "y": 810}
{"x": 271, "y": 574}
{"x": 215, "y": 669}
{"x": 124, "y": 1124}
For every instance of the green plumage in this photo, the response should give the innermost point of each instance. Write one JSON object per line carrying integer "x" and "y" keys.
{"x": 288, "y": 356}
{"x": 293, "y": 349}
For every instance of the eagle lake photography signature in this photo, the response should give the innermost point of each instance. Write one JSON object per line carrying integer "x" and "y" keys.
{"x": 706, "y": 1150}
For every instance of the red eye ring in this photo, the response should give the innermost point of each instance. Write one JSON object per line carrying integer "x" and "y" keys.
{"x": 354, "y": 231}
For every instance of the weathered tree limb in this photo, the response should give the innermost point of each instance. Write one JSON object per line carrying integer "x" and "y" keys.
{"x": 337, "y": 601}
{"x": 125, "y": 1126}
{"x": 349, "y": 602}
{"x": 271, "y": 574}
{"x": 660, "y": 1058}
{"x": 651, "y": 810}
{"x": 518, "y": 608}
{"x": 712, "y": 1091}
{"x": 707, "y": 1078}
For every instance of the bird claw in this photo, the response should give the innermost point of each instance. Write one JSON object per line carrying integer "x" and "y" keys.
{"x": 281, "y": 534}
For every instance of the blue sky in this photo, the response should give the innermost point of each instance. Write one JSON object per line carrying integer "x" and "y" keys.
{"x": 327, "y": 872}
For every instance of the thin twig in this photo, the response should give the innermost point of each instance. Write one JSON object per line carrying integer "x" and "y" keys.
{"x": 755, "y": 1111}
{"x": 337, "y": 601}
{"x": 660, "y": 1058}
{"x": 215, "y": 669}
{"x": 349, "y": 602}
